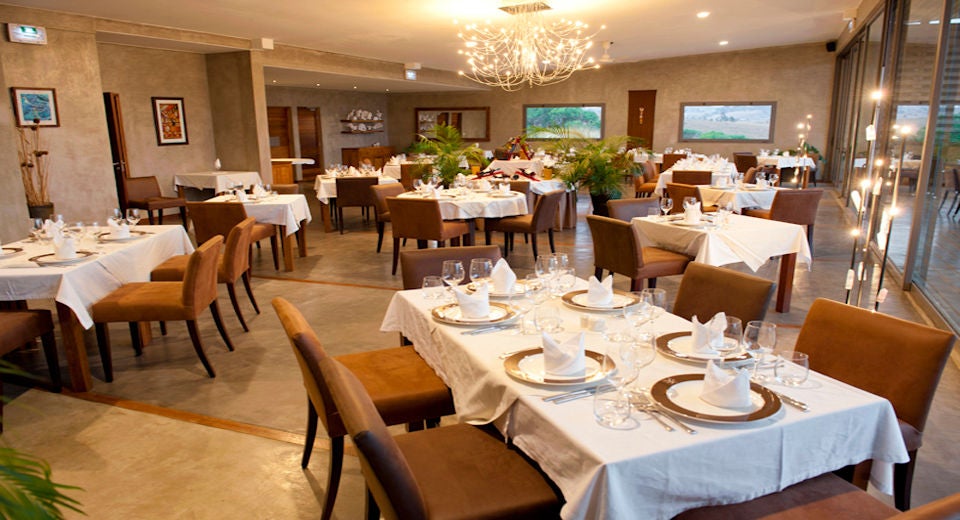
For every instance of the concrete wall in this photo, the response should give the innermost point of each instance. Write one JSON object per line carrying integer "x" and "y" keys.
{"x": 235, "y": 116}
{"x": 137, "y": 75}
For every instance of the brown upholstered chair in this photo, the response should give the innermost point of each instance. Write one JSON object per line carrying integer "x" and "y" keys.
{"x": 695, "y": 177}
{"x": 218, "y": 218}
{"x": 410, "y": 172}
{"x": 627, "y": 209}
{"x": 617, "y": 249}
{"x": 669, "y": 159}
{"x": 144, "y": 193}
{"x": 404, "y": 390}
{"x": 540, "y": 220}
{"x": 457, "y": 471}
{"x": 353, "y": 193}
{"x": 706, "y": 290}
{"x": 380, "y": 192}
{"x": 414, "y": 265}
{"x": 644, "y": 185}
{"x": 234, "y": 265}
{"x": 793, "y": 206}
{"x": 524, "y": 187}
{"x": 286, "y": 189}
{"x": 20, "y": 327}
{"x": 744, "y": 161}
{"x": 421, "y": 220}
{"x": 678, "y": 192}
{"x": 895, "y": 359}
{"x": 164, "y": 301}
{"x": 750, "y": 176}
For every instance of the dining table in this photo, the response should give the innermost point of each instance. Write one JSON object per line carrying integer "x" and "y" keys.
{"x": 29, "y": 271}
{"x": 753, "y": 241}
{"x": 289, "y": 212}
{"x": 465, "y": 204}
{"x": 786, "y": 161}
{"x": 740, "y": 197}
{"x": 217, "y": 181}
{"x": 720, "y": 169}
{"x": 643, "y": 470}
{"x": 512, "y": 166}
{"x": 326, "y": 188}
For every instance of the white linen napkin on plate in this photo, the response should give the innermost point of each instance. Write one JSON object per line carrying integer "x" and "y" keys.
{"x": 505, "y": 188}
{"x": 564, "y": 359}
{"x": 353, "y": 171}
{"x": 474, "y": 306}
{"x": 503, "y": 277}
{"x": 600, "y": 293}
{"x": 64, "y": 247}
{"x": 691, "y": 215}
{"x": 241, "y": 196}
{"x": 726, "y": 390}
{"x": 259, "y": 192}
{"x": 483, "y": 185}
{"x": 708, "y": 335}
{"x": 118, "y": 230}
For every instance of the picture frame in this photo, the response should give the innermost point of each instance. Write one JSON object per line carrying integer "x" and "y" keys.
{"x": 35, "y": 106}
{"x": 170, "y": 120}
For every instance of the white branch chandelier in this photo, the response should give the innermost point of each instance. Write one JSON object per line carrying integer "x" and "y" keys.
{"x": 530, "y": 51}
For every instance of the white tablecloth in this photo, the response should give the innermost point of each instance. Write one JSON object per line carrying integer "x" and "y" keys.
{"x": 479, "y": 205}
{"x": 750, "y": 240}
{"x": 217, "y": 181}
{"x": 327, "y": 187}
{"x": 741, "y": 198}
{"x": 80, "y": 285}
{"x": 720, "y": 168}
{"x": 649, "y": 472}
{"x": 281, "y": 210}
{"x": 534, "y": 166}
{"x": 785, "y": 162}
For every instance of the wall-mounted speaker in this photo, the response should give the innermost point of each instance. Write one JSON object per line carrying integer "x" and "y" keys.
{"x": 832, "y": 46}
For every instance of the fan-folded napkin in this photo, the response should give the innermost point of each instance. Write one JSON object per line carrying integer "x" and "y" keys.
{"x": 64, "y": 247}
{"x": 503, "y": 277}
{"x": 118, "y": 230}
{"x": 353, "y": 171}
{"x": 259, "y": 192}
{"x": 563, "y": 359}
{"x": 474, "y": 306}
{"x": 724, "y": 389}
{"x": 241, "y": 196}
{"x": 600, "y": 293}
{"x": 691, "y": 214}
{"x": 709, "y": 335}
{"x": 483, "y": 185}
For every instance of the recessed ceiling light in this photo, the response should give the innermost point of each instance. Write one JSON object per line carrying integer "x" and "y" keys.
{"x": 723, "y": 42}
{"x": 703, "y": 14}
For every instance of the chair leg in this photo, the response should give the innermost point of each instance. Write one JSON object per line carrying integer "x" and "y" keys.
{"x": 415, "y": 426}
{"x": 215, "y": 310}
{"x": 636, "y": 284}
{"x": 246, "y": 285}
{"x": 810, "y": 237}
{"x": 232, "y": 291}
{"x": 163, "y": 328}
{"x": 333, "y": 477}
{"x": 506, "y": 244}
{"x": 373, "y": 510}
{"x": 533, "y": 244}
{"x": 432, "y": 423}
{"x": 311, "y": 433}
{"x": 340, "y": 219}
{"x": 103, "y": 344}
{"x": 135, "y": 338}
{"x": 275, "y": 249}
{"x": 651, "y": 283}
{"x": 53, "y": 363}
{"x": 160, "y": 217}
{"x": 380, "y": 228}
{"x": 183, "y": 216}
{"x": 550, "y": 236}
{"x": 598, "y": 273}
{"x": 488, "y": 235}
{"x": 396, "y": 254}
{"x": 903, "y": 482}
{"x": 198, "y": 346}
{"x": 150, "y": 216}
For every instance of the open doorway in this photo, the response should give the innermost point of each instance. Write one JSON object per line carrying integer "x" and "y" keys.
{"x": 311, "y": 141}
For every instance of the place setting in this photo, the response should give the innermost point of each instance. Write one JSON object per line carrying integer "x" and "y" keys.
{"x": 716, "y": 339}
{"x": 472, "y": 306}
{"x": 120, "y": 228}
{"x": 559, "y": 363}
{"x": 599, "y": 297}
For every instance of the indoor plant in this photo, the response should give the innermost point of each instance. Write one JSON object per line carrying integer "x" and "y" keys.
{"x": 449, "y": 151}
{"x": 596, "y": 164}
{"x": 34, "y": 170}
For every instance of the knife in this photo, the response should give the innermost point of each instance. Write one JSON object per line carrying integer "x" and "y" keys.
{"x": 578, "y": 394}
{"x": 483, "y": 330}
{"x": 800, "y": 405}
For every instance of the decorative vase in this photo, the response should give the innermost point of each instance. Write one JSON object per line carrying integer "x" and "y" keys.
{"x": 43, "y": 211}
{"x": 547, "y": 173}
{"x": 599, "y": 202}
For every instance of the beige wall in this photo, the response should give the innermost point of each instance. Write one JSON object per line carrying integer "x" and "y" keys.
{"x": 234, "y": 109}
{"x": 137, "y": 75}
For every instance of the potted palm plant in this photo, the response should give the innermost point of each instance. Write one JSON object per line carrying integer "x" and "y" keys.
{"x": 598, "y": 165}
{"x": 448, "y": 150}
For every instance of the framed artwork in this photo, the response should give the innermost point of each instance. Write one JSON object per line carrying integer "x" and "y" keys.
{"x": 170, "y": 120}
{"x": 750, "y": 122}
{"x": 35, "y": 106}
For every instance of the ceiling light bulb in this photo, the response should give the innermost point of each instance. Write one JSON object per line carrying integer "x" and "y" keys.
{"x": 703, "y": 14}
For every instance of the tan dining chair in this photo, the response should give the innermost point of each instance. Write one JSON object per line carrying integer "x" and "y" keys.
{"x": 218, "y": 218}
{"x": 21, "y": 327}
{"x": 644, "y": 185}
{"x": 409, "y": 172}
{"x": 706, "y": 290}
{"x": 456, "y": 471}
{"x": 144, "y": 193}
{"x": 743, "y": 161}
{"x": 541, "y": 219}
{"x": 678, "y": 192}
{"x": 354, "y": 193}
{"x": 694, "y": 177}
{"x": 896, "y": 359}
{"x": 233, "y": 265}
{"x": 669, "y": 159}
{"x": 414, "y": 265}
{"x": 380, "y": 192}
{"x": 164, "y": 301}
{"x": 421, "y": 220}
{"x": 750, "y": 176}
{"x": 793, "y": 206}
{"x": 627, "y": 209}
{"x": 403, "y": 388}
{"x": 286, "y": 189}
{"x": 617, "y": 249}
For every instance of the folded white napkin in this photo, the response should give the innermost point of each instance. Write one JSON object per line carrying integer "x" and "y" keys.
{"x": 691, "y": 215}
{"x": 393, "y": 161}
{"x": 64, "y": 247}
{"x": 118, "y": 230}
{"x": 259, "y": 192}
{"x": 725, "y": 390}
{"x": 709, "y": 335}
{"x": 503, "y": 277}
{"x": 241, "y": 196}
{"x": 474, "y": 306}
{"x": 353, "y": 171}
{"x": 600, "y": 293}
{"x": 563, "y": 359}
{"x": 504, "y": 188}
{"x": 217, "y": 165}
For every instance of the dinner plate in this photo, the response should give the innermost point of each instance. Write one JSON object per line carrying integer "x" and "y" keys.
{"x": 134, "y": 234}
{"x": 527, "y": 366}
{"x": 678, "y": 345}
{"x": 517, "y": 289}
{"x": 451, "y": 315}
{"x": 680, "y": 394}
{"x": 10, "y": 251}
{"x": 688, "y": 224}
{"x": 503, "y": 195}
{"x": 578, "y": 300}
{"x": 51, "y": 258}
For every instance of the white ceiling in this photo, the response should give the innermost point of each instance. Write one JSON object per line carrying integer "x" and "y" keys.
{"x": 423, "y": 30}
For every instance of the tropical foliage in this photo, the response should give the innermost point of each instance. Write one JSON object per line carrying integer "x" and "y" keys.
{"x": 448, "y": 150}
{"x": 596, "y": 164}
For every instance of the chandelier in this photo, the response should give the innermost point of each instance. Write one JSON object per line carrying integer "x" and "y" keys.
{"x": 530, "y": 51}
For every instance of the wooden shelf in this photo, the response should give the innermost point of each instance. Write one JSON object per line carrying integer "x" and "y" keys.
{"x": 361, "y": 131}
{"x": 361, "y": 120}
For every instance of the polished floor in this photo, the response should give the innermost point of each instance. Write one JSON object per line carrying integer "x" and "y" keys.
{"x": 163, "y": 440}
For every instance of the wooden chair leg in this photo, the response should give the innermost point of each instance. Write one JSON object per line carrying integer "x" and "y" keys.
{"x": 246, "y": 285}
{"x": 488, "y": 235}
{"x": 396, "y": 254}
{"x": 636, "y": 284}
{"x": 198, "y": 346}
{"x": 533, "y": 244}
{"x": 380, "y": 229}
{"x": 183, "y": 216}
{"x": 598, "y": 273}
{"x": 903, "y": 482}
{"x": 506, "y": 244}
{"x": 53, "y": 363}
{"x": 553, "y": 249}
{"x": 275, "y": 248}
{"x": 163, "y": 328}
{"x": 150, "y": 216}
{"x": 433, "y": 422}
{"x": 651, "y": 283}
{"x": 333, "y": 477}
{"x": 373, "y": 510}
{"x": 311, "y": 433}
{"x": 103, "y": 344}
{"x": 135, "y": 338}
{"x": 415, "y": 426}
{"x": 215, "y": 310}
{"x": 232, "y": 291}
{"x": 340, "y": 219}
{"x": 160, "y": 217}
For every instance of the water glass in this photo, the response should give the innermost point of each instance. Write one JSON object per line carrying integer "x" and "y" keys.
{"x": 545, "y": 267}
{"x": 432, "y": 287}
{"x": 535, "y": 289}
{"x": 452, "y": 273}
{"x": 689, "y": 202}
{"x": 480, "y": 270}
{"x": 759, "y": 339}
{"x": 564, "y": 281}
{"x": 666, "y": 204}
{"x": 732, "y": 335}
{"x": 133, "y": 216}
{"x": 563, "y": 261}
{"x": 547, "y": 319}
{"x": 656, "y": 299}
{"x": 792, "y": 368}
{"x": 611, "y": 408}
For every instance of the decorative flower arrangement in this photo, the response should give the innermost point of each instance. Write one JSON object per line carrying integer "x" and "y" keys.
{"x": 33, "y": 165}
{"x": 517, "y": 146}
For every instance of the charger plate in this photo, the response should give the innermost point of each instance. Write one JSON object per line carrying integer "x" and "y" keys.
{"x": 680, "y": 394}
{"x": 527, "y": 366}
{"x": 578, "y": 300}
{"x": 451, "y": 315}
{"x": 134, "y": 234}
{"x": 10, "y": 251}
{"x": 673, "y": 346}
{"x": 51, "y": 258}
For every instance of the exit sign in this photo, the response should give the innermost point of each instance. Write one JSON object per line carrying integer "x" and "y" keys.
{"x": 27, "y": 34}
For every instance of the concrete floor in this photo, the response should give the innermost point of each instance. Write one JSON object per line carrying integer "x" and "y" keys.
{"x": 165, "y": 440}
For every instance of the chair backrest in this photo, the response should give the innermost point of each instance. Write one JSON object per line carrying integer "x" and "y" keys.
{"x": 380, "y": 192}
{"x": 385, "y": 469}
{"x": 501, "y": 154}
{"x": 141, "y": 188}
{"x": 523, "y": 187}
{"x": 750, "y": 177}
{"x": 744, "y": 161}
{"x": 355, "y": 191}
{"x": 545, "y": 210}
{"x": 236, "y": 257}
{"x": 650, "y": 172}
{"x": 309, "y": 352}
{"x": 956, "y": 180}
{"x": 286, "y": 189}
{"x": 669, "y": 159}
{"x": 200, "y": 277}
{"x": 706, "y": 290}
{"x": 414, "y": 265}
{"x": 615, "y": 246}
{"x": 409, "y": 172}
{"x": 678, "y": 192}
{"x": 695, "y": 177}
{"x": 796, "y": 206}
{"x": 214, "y": 218}
{"x": 19, "y": 327}
{"x": 893, "y": 358}
{"x": 415, "y": 218}
{"x": 627, "y": 209}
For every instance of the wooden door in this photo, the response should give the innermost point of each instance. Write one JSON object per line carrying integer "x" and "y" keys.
{"x": 118, "y": 145}
{"x": 640, "y": 117}
{"x": 311, "y": 140}
{"x": 278, "y": 122}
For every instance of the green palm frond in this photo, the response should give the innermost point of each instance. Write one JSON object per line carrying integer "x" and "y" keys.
{"x": 27, "y": 491}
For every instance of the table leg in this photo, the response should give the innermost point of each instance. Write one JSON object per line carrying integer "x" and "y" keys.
{"x": 76, "y": 349}
{"x": 287, "y": 246}
{"x": 788, "y": 264}
{"x": 302, "y": 238}
{"x": 325, "y": 215}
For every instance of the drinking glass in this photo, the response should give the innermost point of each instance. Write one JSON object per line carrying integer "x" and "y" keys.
{"x": 432, "y": 287}
{"x": 666, "y": 204}
{"x": 480, "y": 270}
{"x": 547, "y": 319}
{"x": 36, "y": 228}
{"x": 117, "y": 216}
{"x": 612, "y": 408}
{"x": 563, "y": 261}
{"x": 452, "y": 273}
{"x": 523, "y": 305}
{"x": 133, "y": 216}
{"x": 689, "y": 202}
{"x": 636, "y": 314}
{"x": 535, "y": 289}
{"x": 774, "y": 177}
{"x": 656, "y": 299}
{"x": 645, "y": 344}
{"x": 418, "y": 184}
{"x": 792, "y": 368}
{"x": 566, "y": 279}
{"x": 759, "y": 338}
{"x": 732, "y": 335}
{"x": 545, "y": 267}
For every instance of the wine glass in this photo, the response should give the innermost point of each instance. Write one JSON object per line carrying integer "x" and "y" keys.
{"x": 732, "y": 335}
{"x": 566, "y": 279}
{"x": 666, "y": 204}
{"x": 452, "y": 273}
{"x": 646, "y": 352}
{"x": 523, "y": 305}
{"x": 612, "y": 408}
{"x": 534, "y": 288}
{"x": 133, "y": 216}
{"x": 117, "y": 216}
{"x": 36, "y": 229}
{"x": 759, "y": 338}
{"x": 480, "y": 270}
{"x": 774, "y": 178}
{"x": 563, "y": 261}
{"x": 656, "y": 299}
{"x": 546, "y": 265}
{"x": 689, "y": 202}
